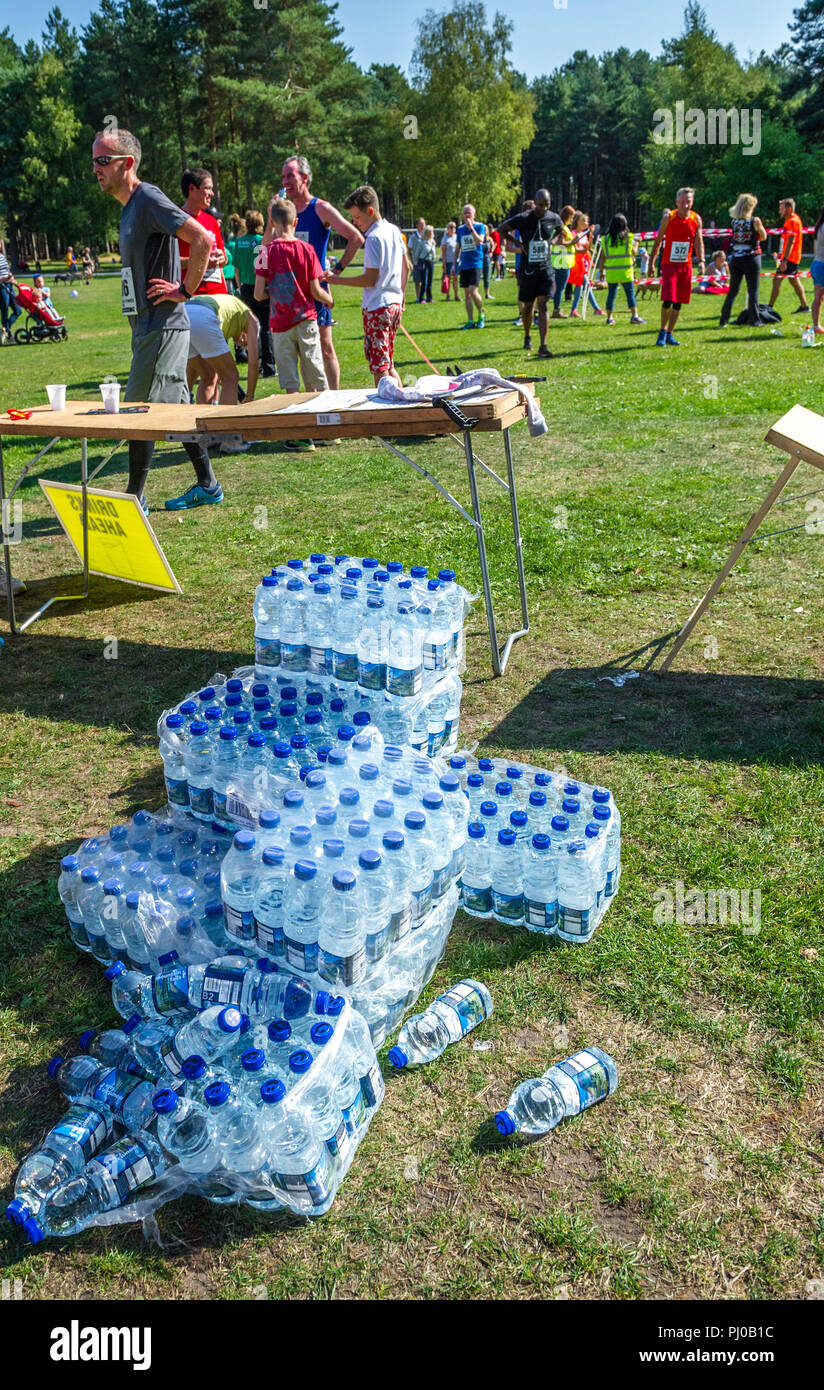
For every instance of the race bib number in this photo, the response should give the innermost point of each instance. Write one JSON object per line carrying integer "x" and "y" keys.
{"x": 679, "y": 252}
{"x": 538, "y": 252}
{"x": 468, "y": 245}
{"x": 128, "y": 298}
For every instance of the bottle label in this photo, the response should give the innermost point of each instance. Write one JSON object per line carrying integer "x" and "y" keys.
{"x": 314, "y": 1184}
{"x": 458, "y": 862}
{"x": 239, "y": 924}
{"x": 609, "y": 887}
{"x": 83, "y": 1127}
{"x": 345, "y": 666}
{"x": 509, "y": 906}
{"x": 294, "y": 656}
{"x": 339, "y": 1143}
{"x": 372, "y": 675}
{"x": 477, "y": 901}
{"x": 441, "y": 879}
{"x": 434, "y": 740}
{"x": 421, "y": 903}
{"x": 354, "y": 1113}
{"x": 237, "y": 810}
{"x": 400, "y": 923}
{"x": 267, "y": 652}
{"x": 320, "y": 661}
{"x": 400, "y": 681}
{"x": 114, "y": 1088}
{"x": 542, "y": 916}
{"x": 177, "y": 791}
{"x": 223, "y": 984}
{"x": 303, "y": 955}
{"x": 372, "y": 1086}
{"x": 435, "y": 655}
{"x": 170, "y": 991}
{"x": 269, "y": 938}
{"x": 467, "y": 1003}
{"x": 201, "y": 800}
{"x": 589, "y": 1075}
{"x": 377, "y": 942}
{"x": 575, "y": 921}
{"x": 343, "y": 970}
{"x": 128, "y": 1166}
{"x": 171, "y": 1058}
{"x": 219, "y": 804}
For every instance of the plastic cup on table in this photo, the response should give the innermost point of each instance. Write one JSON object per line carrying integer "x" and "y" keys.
{"x": 110, "y": 391}
{"x": 57, "y": 397}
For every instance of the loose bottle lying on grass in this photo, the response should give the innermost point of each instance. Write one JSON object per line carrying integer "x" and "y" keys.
{"x": 538, "y": 1105}
{"x": 425, "y": 1036}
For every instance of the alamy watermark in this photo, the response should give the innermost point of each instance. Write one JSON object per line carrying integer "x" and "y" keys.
{"x": 708, "y": 907}
{"x": 715, "y": 126}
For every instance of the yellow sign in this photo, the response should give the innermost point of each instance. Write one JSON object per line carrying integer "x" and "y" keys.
{"x": 122, "y": 544}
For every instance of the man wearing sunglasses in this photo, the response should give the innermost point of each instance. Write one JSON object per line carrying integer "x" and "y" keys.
{"x": 154, "y": 299}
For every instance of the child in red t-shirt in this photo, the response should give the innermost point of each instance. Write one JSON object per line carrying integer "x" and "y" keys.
{"x": 289, "y": 272}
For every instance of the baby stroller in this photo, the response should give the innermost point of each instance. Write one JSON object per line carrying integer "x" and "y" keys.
{"x": 43, "y": 323}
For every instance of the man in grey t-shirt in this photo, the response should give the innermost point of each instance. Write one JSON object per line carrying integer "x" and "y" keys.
{"x": 154, "y": 299}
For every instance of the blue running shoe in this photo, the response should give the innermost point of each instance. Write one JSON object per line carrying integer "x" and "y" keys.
{"x": 661, "y": 340}
{"x": 196, "y": 496}
{"x": 672, "y": 342}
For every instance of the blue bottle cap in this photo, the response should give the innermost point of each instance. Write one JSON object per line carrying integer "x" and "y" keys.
{"x": 33, "y": 1230}
{"x": 322, "y": 1001}
{"x": 537, "y": 799}
{"x": 175, "y": 721}
{"x": 300, "y": 835}
{"x": 394, "y": 567}
{"x": 316, "y": 559}
{"x": 571, "y": 789}
{"x": 504, "y": 1123}
{"x": 217, "y": 1093}
{"x": 193, "y": 1068}
{"x": 369, "y": 859}
{"x": 288, "y": 708}
{"x": 199, "y": 728}
{"x": 293, "y": 799}
{"x": 418, "y": 571}
{"x": 272, "y": 1091}
{"x": 601, "y": 795}
{"x": 86, "y": 1039}
{"x": 282, "y": 750}
{"x": 294, "y": 585}
{"x": 320, "y": 1033}
{"x": 333, "y": 848}
{"x": 323, "y": 752}
{"x": 184, "y": 926}
{"x": 227, "y": 734}
{"x": 256, "y": 741}
{"x": 300, "y": 1061}
{"x": 503, "y": 789}
{"x": 475, "y": 830}
{"x": 305, "y": 869}
{"x": 398, "y": 1057}
{"x": 401, "y": 787}
{"x": 188, "y": 707}
{"x": 474, "y": 780}
{"x": 160, "y": 883}
{"x": 540, "y": 841}
{"x": 349, "y": 796}
{"x": 279, "y": 1030}
{"x": 229, "y": 1020}
{"x": 261, "y": 704}
{"x": 131, "y": 1023}
{"x": 414, "y": 820}
{"x": 242, "y": 718}
{"x": 592, "y": 831}
{"x": 70, "y": 862}
{"x": 17, "y": 1212}
{"x": 315, "y": 779}
{"x": 269, "y": 819}
{"x": 326, "y": 815}
{"x": 369, "y": 772}
{"x": 133, "y": 901}
{"x": 486, "y": 765}
{"x": 602, "y": 813}
{"x": 273, "y": 855}
{"x": 543, "y": 779}
{"x": 370, "y": 563}
{"x": 506, "y": 837}
{"x": 489, "y": 808}
{"x": 253, "y": 1060}
{"x": 90, "y": 874}
{"x": 184, "y": 896}
{"x": 361, "y": 717}
{"x": 518, "y": 818}
{"x": 336, "y": 705}
{"x": 358, "y": 828}
{"x": 514, "y": 773}
{"x": 337, "y": 1006}
{"x": 205, "y": 696}
{"x": 233, "y": 685}
{"x": 576, "y": 846}
{"x": 383, "y": 809}
{"x": 269, "y": 581}
{"x": 115, "y": 969}
{"x": 570, "y": 805}
{"x": 560, "y": 824}
{"x": 450, "y": 783}
{"x": 164, "y": 1102}
{"x": 54, "y": 1066}
{"x": 313, "y": 717}
{"x": 446, "y": 575}
{"x": 299, "y": 741}
{"x": 344, "y": 880}
{"x": 433, "y": 585}
{"x": 214, "y": 909}
{"x": 393, "y": 753}
{"x": 345, "y": 733}
{"x": 432, "y": 800}
{"x": 393, "y": 840}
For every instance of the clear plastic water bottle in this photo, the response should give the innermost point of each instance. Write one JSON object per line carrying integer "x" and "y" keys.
{"x": 476, "y": 793}
{"x": 606, "y": 816}
{"x": 268, "y": 596}
{"x": 453, "y": 596}
{"x": 507, "y": 879}
{"x": 198, "y": 761}
{"x": 342, "y": 939}
{"x": 297, "y": 1159}
{"x": 374, "y": 893}
{"x": 422, "y": 856}
{"x": 541, "y": 887}
{"x": 457, "y": 806}
{"x": 112, "y": 916}
{"x": 209, "y": 1035}
{"x": 108, "y": 1181}
{"x": 90, "y": 904}
{"x": 114, "y": 1046}
{"x": 538, "y": 1105}
{"x": 70, "y": 886}
{"x": 184, "y": 1131}
{"x": 404, "y": 657}
{"x": 320, "y": 613}
{"x": 577, "y": 892}
{"x": 345, "y": 636}
{"x": 301, "y": 916}
{"x": 236, "y": 1137}
{"x": 439, "y": 826}
{"x": 476, "y": 881}
{"x": 294, "y": 648}
{"x": 372, "y": 647}
{"x": 127, "y": 1096}
{"x": 398, "y": 865}
{"x": 436, "y": 621}
{"x": 225, "y": 767}
{"x": 237, "y": 883}
{"x": 65, "y": 1151}
{"x": 172, "y": 748}
{"x": 424, "y": 1036}
{"x": 267, "y": 903}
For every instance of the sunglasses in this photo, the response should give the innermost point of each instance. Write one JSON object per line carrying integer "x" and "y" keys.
{"x": 105, "y": 159}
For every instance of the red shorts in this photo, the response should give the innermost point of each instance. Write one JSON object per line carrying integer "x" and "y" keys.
{"x": 676, "y": 283}
{"x": 379, "y": 329}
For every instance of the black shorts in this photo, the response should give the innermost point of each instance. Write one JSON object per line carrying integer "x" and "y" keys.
{"x": 793, "y": 268}
{"x": 471, "y": 277}
{"x": 539, "y": 285}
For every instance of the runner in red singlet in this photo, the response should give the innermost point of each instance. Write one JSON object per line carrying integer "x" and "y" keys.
{"x": 680, "y": 234}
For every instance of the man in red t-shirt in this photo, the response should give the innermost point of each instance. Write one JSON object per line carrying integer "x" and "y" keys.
{"x": 288, "y": 270}
{"x": 681, "y": 235}
{"x": 198, "y": 191}
{"x": 789, "y": 257}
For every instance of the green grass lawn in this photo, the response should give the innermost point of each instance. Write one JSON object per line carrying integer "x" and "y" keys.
{"x": 702, "y": 1175}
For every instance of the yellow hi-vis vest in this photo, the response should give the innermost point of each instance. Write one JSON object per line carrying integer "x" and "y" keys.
{"x": 562, "y": 254}
{"x": 618, "y": 260}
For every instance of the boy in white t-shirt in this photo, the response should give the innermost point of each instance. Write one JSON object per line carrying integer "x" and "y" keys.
{"x": 384, "y": 277}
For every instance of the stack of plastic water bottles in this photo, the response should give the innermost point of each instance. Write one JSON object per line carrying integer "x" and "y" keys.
{"x": 542, "y": 850}
{"x": 256, "y": 1100}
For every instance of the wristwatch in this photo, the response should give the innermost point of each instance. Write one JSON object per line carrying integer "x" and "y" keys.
{"x": 184, "y": 291}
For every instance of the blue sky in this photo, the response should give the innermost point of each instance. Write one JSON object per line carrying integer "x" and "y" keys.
{"x": 544, "y": 36}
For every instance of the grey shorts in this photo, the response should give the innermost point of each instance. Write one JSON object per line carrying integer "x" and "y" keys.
{"x": 158, "y": 370}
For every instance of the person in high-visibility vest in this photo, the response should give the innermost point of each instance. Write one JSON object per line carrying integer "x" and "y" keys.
{"x": 680, "y": 233}
{"x": 562, "y": 257}
{"x": 618, "y": 260}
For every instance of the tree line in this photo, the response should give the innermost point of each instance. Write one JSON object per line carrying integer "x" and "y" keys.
{"x": 236, "y": 86}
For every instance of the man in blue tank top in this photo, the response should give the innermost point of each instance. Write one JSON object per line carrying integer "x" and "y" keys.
{"x": 316, "y": 220}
